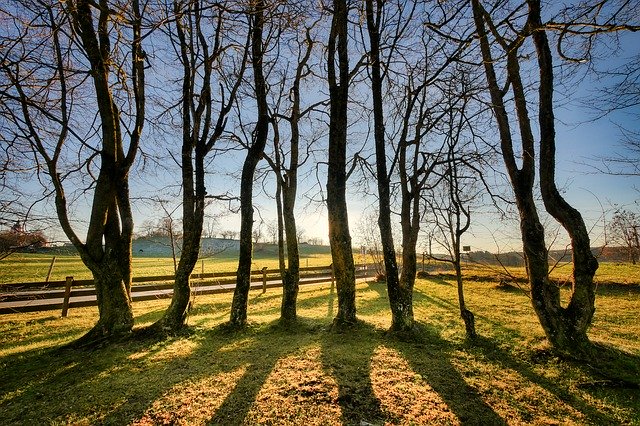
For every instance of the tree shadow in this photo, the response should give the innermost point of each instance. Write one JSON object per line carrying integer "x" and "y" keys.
{"x": 438, "y": 279}
{"x": 430, "y": 356}
{"x": 347, "y": 358}
{"x": 491, "y": 351}
{"x": 273, "y": 342}
{"x": 130, "y": 376}
{"x": 379, "y": 287}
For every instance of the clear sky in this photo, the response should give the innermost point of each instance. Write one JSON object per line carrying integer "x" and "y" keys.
{"x": 581, "y": 143}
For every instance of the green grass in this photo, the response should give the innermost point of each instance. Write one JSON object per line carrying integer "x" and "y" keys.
{"x": 34, "y": 267}
{"x": 310, "y": 375}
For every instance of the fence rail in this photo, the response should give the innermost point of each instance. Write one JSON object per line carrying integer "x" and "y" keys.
{"x": 70, "y": 293}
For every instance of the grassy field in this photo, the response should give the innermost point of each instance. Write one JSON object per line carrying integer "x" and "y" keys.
{"x": 34, "y": 267}
{"x": 310, "y": 375}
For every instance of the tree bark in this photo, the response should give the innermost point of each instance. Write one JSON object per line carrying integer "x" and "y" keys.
{"x": 565, "y": 328}
{"x": 238, "y": 316}
{"x": 107, "y": 251}
{"x": 576, "y": 318}
{"x": 200, "y": 132}
{"x": 401, "y": 314}
{"x": 339, "y": 235}
{"x": 291, "y": 276}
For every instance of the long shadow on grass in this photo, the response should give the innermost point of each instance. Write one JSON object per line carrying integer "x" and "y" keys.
{"x": 490, "y": 351}
{"x": 277, "y": 342}
{"x": 430, "y": 356}
{"x": 481, "y": 320}
{"x": 347, "y": 357}
{"x": 121, "y": 382}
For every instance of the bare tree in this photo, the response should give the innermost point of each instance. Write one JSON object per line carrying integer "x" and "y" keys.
{"x": 256, "y": 12}
{"x": 460, "y": 184}
{"x": 18, "y": 239}
{"x": 287, "y": 175}
{"x": 339, "y": 235}
{"x": 64, "y": 59}
{"x": 368, "y": 233}
{"x": 565, "y": 327}
{"x": 228, "y": 234}
{"x": 399, "y": 300}
{"x": 406, "y": 62}
{"x": 203, "y": 36}
{"x": 623, "y": 230}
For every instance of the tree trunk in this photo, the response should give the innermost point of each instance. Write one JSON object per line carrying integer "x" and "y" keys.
{"x": 565, "y": 328}
{"x": 238, "y": 316}
{"x": 339, "y": 235}
{"x": 107, "y": 251}
{"x": 575, "y": 320}
{"x": 200, "y": 132}
{"x": 175, "y": 316}
{"x": 401, "y": 316}
{"x": 114, "y": 305}
{"x": 465, "y": 314}
{"x": 291, "y": 277}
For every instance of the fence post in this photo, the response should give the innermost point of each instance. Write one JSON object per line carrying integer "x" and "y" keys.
{"x": 50, "y": 269}
{"x": 264, "y": 280}
{"x": 67, "y": 293}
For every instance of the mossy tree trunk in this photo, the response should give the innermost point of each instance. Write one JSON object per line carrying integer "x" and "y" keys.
{"x": 401, "y": 309}
{"x": 238, "y": 317}
{"x": 574, "y": 321}
{"x": 107, "y": 248}
{"x": 200, "y": 133}
{"x": 339, "y": 235}
{"x": 565, "y": 328}
{"x": 287, "y": 179}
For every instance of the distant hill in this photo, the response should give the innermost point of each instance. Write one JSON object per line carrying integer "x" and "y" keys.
{"x": 228, "y": 248}
{"x": 604, "y": 254}
{"x": 218, "y": 247}
{"x": 161, "y": 246}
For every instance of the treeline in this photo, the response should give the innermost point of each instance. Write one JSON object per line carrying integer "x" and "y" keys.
{"x": 415, "y": 102}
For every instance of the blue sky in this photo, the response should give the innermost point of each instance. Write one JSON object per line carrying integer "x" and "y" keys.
{"x": 580, "y": 142}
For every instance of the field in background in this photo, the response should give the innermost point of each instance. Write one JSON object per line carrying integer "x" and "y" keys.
{"x": 34, "y": 267}
{"x": 310, "y": 375}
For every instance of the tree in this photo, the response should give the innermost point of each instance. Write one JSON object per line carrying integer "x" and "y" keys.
{"x": 368, "y": 233}
{"x": 228, "y": 234}
{"x": 400, "y": 297}
{"x": 405, "y": 66}
{"x": 203, "y": 37}
{"x": 458, "y": 186}
{"x": 257, "y": 233}
{"x": 566, "y": 328}
{"x": 255, "y": 152}
{"x": 623, "y": 231}
{"x": 339, "y": 235}
{"x": 286, "y": 228}
{"x": 167, "y": 227}
{"x": 15, "y": 240}
{"x": 63, "y": 59}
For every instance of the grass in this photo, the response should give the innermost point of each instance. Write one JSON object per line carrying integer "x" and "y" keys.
{"x": 34, "y": 267}
{"x": 310, "y": 375}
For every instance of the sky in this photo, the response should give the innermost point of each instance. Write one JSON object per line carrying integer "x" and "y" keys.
{"x": 581, "y": 142}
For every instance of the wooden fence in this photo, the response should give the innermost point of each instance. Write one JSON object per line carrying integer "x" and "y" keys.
{"x": 69, "y": 293}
